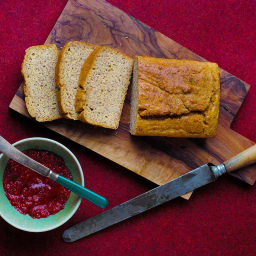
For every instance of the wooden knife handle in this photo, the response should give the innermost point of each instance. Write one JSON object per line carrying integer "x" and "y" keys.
{"x": 243, "y": 159}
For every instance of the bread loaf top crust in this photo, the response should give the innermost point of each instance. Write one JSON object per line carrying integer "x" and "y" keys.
{"x": 177, "y": 98}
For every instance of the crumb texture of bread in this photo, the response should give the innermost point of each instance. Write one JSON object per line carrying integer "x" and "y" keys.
{"x": 103, "y": 86}
{"x": 174, "y": 98}
{"x": 72, "y": 58}
{"x": 38, "y": 69}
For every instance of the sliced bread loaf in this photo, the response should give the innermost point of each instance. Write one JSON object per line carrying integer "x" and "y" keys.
{"x": 38, "y": 69}
{"x": 72, "y": 57}
{"x": 103, "y": 85}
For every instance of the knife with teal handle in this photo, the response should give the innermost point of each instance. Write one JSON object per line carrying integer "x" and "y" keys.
{"x": 82, "y": 191}
{"x": 18, "y": 156}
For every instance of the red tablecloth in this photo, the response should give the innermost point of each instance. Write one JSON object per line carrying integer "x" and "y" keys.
{"x": 220, "y": 218}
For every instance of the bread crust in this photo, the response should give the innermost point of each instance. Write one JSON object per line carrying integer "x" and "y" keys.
{"x": 177, "y": 98}
{"x": 59, "y": 81}
{"x": 85, "y": 71}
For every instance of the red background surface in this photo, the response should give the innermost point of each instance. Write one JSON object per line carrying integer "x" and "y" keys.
{"x": 219, "y": 219}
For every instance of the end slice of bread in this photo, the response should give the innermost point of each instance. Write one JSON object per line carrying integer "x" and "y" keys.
{"x": 103, "y": 85}
{"x": 38, "y": 69}
{"x": 71, "y": 60}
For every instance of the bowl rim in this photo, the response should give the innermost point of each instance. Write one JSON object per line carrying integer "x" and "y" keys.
{"x": 73, "y": 211}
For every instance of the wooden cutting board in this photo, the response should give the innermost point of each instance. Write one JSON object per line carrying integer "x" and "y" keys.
{"x": 156, "y": 159}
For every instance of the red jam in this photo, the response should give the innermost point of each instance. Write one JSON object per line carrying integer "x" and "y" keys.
{"x": 31, "y": 193}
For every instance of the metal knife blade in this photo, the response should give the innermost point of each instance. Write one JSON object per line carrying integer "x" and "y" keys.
{"x": 159, "y": 195}
{"x": 13, "y": 153}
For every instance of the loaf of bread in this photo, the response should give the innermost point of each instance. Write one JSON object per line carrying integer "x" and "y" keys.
{"x": 174, "y": 98}
{"x": 38, "y": 69}
{"x": 103, "y": 85}
{"x": 71, "y": 60}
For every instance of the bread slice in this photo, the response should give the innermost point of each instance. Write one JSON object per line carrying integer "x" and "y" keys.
{"x": 72, "y": 58}
{"x": 174, "y": 98}
{"x": 38, "y": 69}
{"x": 103, "y": 85}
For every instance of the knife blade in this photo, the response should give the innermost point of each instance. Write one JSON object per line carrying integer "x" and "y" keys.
{"x": 186, "y": 183}
{"x": 180, "y": 186}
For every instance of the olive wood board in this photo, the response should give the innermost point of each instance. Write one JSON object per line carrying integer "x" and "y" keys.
{"x": 156, "y": 159}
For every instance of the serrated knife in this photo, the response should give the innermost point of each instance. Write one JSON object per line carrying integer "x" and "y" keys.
{"x": 186, "y": 183}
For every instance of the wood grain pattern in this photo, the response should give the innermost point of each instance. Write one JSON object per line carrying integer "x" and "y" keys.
{"x": 156, "y": 159}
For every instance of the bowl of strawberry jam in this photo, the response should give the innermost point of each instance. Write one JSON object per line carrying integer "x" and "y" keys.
{"x": 34, "y": 203}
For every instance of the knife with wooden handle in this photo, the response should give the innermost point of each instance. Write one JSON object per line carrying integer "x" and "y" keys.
{"x": 186, "y": 183}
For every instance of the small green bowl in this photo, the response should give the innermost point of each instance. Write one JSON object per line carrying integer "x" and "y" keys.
{"x": 26, "y": 222}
